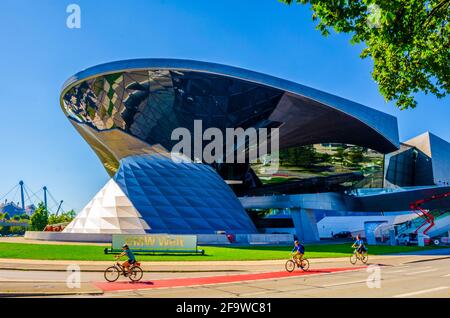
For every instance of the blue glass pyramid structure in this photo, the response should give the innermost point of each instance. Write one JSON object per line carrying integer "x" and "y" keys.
{"x": 181, "y": 198}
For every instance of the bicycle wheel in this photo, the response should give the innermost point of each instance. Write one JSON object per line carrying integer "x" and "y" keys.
{"x": 136, "y": 274}
{"x": 305, "y": 264}
{"x": 364, "y": 258}
{"x": 290, "y": 266}
{"x": 353, "y": 259}
{"x": 111, "y": 274}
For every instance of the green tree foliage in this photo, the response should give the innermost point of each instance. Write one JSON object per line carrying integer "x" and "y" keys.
{"x": 324, "y": 157}
{"x": 17, "y": 230}
{"x": 339, "y": 155}
{"x": 24, "y": 217}
{"x": 62, "y": 218}
{"x": 408, "y": 40}
{"x": 39, "y": 219}
{"x": 356, "y": 156}
{"x": 302, "y": 156}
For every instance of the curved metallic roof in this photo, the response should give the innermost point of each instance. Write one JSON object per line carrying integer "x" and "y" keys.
{"x": 307, "y": 115}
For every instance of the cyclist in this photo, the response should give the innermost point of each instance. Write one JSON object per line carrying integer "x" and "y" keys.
{"x": 298, "y": 251}
{"x": 359, "y": 245}
{"x": 131, "y": 259}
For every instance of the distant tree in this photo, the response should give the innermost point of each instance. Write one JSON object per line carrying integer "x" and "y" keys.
{"x": 62, "y": 218}
{"x": 53, "y": 219}
{"x": 339, "y": 155}
{"x": 16, "y": 217}
{"x": 71, "y": 214}
{"x": 324, "y": 157}
{"x": 356, "y": 156}
{"x": 408, "y": 41}
{"x": 306, "y": 156}
{"x": 24, "y": 217}
{"x": 6, "y": 216}
{"x": 18, "y": 230}
{"x": 301, "y": 156}
{"x": 39, "y": 219}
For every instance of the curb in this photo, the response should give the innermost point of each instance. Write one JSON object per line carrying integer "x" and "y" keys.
{"x": 44, "y": 294}
{"x": 102, "y": 270}
{"x": 428, "y": 260}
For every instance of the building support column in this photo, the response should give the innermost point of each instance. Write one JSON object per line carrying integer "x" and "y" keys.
{"x": 392, "y": 237}
{"x": 305, "y": 225}
{"x": 369, "y": 228}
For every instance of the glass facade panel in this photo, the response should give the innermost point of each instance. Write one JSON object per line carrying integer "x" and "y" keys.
{"x": 321, "y": 168}
{"x": 181, "y": 198}
{"x": 409, "y": 167}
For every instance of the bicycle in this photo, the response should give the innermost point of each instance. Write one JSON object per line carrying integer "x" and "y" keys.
{"x": 290, "y": 264}
{"x": 113, "y": 273}
{"x": 363, "y": 257}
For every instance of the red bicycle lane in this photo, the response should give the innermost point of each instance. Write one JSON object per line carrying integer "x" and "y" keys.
{"x": 212, "y": 280}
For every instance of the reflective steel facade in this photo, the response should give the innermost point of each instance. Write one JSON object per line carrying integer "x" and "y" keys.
{"x": 149, "y": 98}
{"x": 130, "y": 108}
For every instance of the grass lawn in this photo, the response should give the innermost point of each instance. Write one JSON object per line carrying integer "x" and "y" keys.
{"x": 212, "y": 253}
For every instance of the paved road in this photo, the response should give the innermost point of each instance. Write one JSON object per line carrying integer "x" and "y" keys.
{"x": 422, "y": 279}
{"x": 400, "y": 276}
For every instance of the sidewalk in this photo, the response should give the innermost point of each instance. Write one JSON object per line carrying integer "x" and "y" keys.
{"x": 41, "y": 289}
{"x": 160, "y": 266}
{"x": 22, "y": 240}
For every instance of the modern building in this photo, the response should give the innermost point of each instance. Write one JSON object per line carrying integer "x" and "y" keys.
{"x": 13, "y": 209}
{"x": 420, "y": 161}
{"x": 329, "y": 147}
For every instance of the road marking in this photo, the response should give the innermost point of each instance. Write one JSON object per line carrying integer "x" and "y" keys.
{"x": 345, "y": 283}
{"x": 420, "y": 292}
{"x": 259, "y": 293}
{"x": 15, "y": 280}
{"x": 401, "y": 269}
{"x": 448, "y": 275}
{"x": 217, "y": 280}
{"x": 398, "y": 271}
{"x": 424, "y": 271}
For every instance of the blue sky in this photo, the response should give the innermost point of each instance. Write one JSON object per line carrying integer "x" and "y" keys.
{"x": 38, "y": 53}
